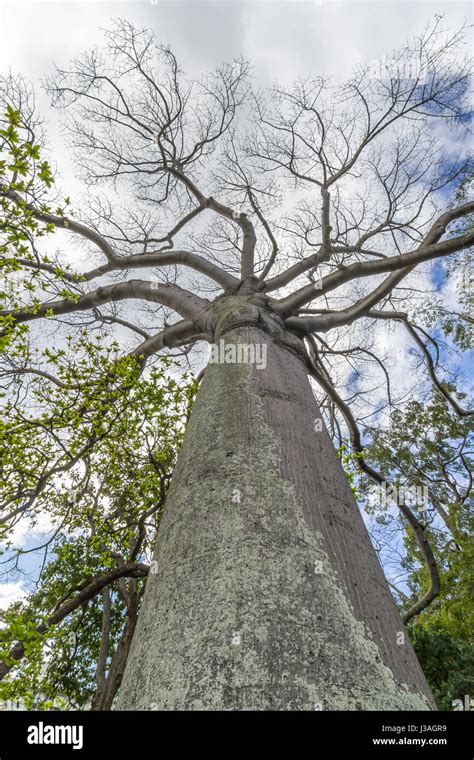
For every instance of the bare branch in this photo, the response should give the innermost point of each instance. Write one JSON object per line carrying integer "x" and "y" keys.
{"x": 89, "y": 589}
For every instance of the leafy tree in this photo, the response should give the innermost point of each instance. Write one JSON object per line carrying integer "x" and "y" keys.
{"x": 96, "y": 450}
{"x": 427, "y": 450}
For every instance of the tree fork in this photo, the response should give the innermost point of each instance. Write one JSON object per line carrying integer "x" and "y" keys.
{"x": 265, "y": 591}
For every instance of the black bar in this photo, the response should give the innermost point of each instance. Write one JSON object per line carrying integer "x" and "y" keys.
{"x": 314, "y": 735}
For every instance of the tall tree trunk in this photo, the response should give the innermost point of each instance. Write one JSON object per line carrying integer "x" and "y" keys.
{"x": 266, "y": 592}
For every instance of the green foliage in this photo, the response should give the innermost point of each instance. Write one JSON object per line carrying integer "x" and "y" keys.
{"x": 447, "y": 661}
{"x": 349, "y": 460}
{"x": 57, "y": 671}
{"x": 428, "y": 446}
{"x": 24, "y": 178}
{"x": 97, "y": 448}
{"x": 87, "y": 447}
{"x": 22, "y": 173}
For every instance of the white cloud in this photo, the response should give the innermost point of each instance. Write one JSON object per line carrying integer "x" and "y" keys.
{"x": 10, "y": 592}
{"x": 27, "y": 529}
{"x": 285, "y": 38}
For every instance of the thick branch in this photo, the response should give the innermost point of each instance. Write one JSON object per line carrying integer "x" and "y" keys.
{"x": 182, "y": 301}
{"x": 429, "y": 249}
{"x": 168, "y": 258}
{"x": 248, "y": 232}
{"x": 175, "y": 335}
{"x": 331, "y": 319}
{"x": 88, "y": 591}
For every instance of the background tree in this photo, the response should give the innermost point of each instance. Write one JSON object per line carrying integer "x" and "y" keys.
{"x": 429, "y": 447}
{"x": 91, "y": 449}
{"x": 299, "y": 234}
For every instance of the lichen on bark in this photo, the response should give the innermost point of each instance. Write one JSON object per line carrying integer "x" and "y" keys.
{"x": 249, "y": 608}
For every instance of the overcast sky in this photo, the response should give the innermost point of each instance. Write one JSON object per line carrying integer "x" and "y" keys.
{"x": 283, "y": 40}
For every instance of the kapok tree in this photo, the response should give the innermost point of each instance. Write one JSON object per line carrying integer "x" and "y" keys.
{"x": 282, "y": 228}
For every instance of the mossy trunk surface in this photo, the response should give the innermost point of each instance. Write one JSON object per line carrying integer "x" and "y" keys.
{"x": 265, "y": 591}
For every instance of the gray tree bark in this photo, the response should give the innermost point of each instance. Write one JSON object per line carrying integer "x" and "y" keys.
{"x": 266, "y": 592}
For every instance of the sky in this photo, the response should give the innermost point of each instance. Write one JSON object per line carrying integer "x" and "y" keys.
{"x": 283, "y": 40}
